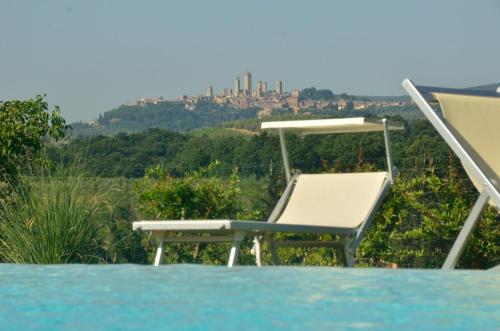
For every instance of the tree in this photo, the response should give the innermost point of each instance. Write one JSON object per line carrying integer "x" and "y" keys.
{"x": 349, "y": 105}
{"x": 315, "y": 94}
{"x": 24, "y": 128}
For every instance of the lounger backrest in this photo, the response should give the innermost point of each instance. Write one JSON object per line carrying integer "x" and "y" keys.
{"x": 475, "y": 121}
{"x": 340, "y": 200}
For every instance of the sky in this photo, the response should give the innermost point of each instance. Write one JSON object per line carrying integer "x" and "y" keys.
{"x": 91, "y": 56}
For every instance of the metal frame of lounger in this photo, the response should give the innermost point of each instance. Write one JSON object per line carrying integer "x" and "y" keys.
{"x": 419, "y": 94}
{"x": 348, "y": 242}
{"x": 235, "y": 231}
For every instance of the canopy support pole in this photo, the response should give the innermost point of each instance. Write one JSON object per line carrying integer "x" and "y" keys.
{"x": 388, "y": 150}
{"x": 284, "y": 154}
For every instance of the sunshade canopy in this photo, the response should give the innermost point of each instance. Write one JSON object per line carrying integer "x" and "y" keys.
{"x": 336, "y": 125}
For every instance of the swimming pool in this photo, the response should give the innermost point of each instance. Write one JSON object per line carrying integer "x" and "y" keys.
{"x": 194, "y": 297}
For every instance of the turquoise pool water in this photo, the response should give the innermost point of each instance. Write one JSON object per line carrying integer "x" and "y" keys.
{"x": 186, "y": 297}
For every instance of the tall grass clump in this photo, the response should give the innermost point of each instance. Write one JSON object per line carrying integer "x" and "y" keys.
{"x": 48, "y": 219}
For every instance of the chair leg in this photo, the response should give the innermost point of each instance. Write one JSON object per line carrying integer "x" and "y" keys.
{"x": 258, "y": 251}
{"x": 349, "y": 258}
{"x": 348, "y": 253}
{"x": 235, "y": 248}
{"x": 159, "y": 251}
{"x": 467, "y": 229}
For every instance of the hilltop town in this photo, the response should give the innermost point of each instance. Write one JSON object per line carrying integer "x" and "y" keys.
{"x": 243, "y": 96}
{"x": 244, "y": 101}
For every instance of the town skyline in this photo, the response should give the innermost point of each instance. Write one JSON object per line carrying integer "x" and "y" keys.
{"x": 244, "y": 96}
{"x": 261, "y": 87}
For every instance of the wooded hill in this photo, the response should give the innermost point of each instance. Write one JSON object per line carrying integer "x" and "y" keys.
{"x": 128, "y": 155}
{"x": 167, "y": 116}
{"x": 175, "y": 117}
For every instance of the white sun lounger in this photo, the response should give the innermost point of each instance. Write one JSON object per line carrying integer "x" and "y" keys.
{"x": 342, "y": 204}
{"x": 470, "y": 125}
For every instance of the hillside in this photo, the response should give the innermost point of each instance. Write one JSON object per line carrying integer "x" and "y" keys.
{"x": 174, "y": 116}
{"x": 168, "y": 116}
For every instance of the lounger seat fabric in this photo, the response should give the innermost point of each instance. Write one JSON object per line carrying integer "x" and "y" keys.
{"x": 340, "y": 200}
{"x": 475, "y": 120}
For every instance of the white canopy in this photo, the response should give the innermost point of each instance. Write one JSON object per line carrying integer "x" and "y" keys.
{"x": 336, "y": 125}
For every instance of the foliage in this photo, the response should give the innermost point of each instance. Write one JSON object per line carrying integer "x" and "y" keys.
{"x": 23, "y": 127}
{"x": 415, "y": 148}
{"x": 49, "y": 219}
{"x": 313, "y": 93}
{"x": 420, "y": 220}
{"x": 198, "y": 195}
{"x": 349, "y": 105}
{"x": 172, "y": 116}
{"x": 116, "y": 212}
{"x": 125, "y": 155}
{"x": 325, "y": 94}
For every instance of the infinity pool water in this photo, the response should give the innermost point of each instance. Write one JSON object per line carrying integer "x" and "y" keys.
{"x": 186, "y": 297}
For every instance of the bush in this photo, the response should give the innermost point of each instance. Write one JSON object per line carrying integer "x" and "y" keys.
{"x": 116, "y": 213}
{"x": 49, "y": 219}
{"x": 420, "y": 220}
{"x": 199, "y": 195}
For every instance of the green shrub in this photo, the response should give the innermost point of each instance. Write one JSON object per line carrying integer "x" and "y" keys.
{"x": 199, "y": 195}
{"x": 49, "y": 219}
{"x": 420, "y": 220}
{"x": 120, "y": 244}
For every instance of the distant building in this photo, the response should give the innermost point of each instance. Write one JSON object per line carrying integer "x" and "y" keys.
{"x": 210, "y": 92}
{"x": 279, "y": 87}
{"x": 293, "y": 100}
{"x": 258, "y": 89}
{"x": 236, "y": 87}
{"x": 247, "y": 83}
{"x": 341, "y": 104}
{"x": 149, "y": 101}
{"x": 264, "y": 89}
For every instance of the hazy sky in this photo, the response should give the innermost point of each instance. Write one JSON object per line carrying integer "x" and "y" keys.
{"x": 91, "y": 56}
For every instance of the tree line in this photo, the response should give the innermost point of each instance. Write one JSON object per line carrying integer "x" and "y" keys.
{"x": 258, "y": 154}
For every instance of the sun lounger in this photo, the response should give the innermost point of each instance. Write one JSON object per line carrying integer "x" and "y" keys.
{"x": 469, "y": 123}
{"x": 342, "y": 204}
